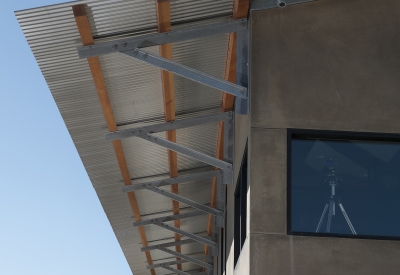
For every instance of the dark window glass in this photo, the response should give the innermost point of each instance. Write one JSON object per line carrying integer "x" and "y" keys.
{"x": 240, "y": 209}
{"x": 344, "y": 184}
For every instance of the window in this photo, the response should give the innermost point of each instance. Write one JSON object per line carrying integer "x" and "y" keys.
{"x": 240, "y": 209}
{"x": 344, "y": 184}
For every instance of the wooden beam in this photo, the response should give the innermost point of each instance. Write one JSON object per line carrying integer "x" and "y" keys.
{"x": 94, "y": 63}
{"x": 164, "y": 25}
{"x": 240, "y": 11}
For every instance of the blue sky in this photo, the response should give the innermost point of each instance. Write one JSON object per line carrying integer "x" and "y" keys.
{"x": 51, "y": 221}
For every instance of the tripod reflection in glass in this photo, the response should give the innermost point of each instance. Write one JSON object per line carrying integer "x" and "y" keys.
{"x": 330, "y": 206}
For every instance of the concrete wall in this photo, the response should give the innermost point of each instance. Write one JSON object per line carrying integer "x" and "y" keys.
{"x": 329, "y": 64}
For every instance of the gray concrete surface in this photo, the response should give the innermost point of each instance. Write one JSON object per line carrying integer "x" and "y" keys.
{"x": 330, "y": 64}
{"x": 267, "y": 179}
{"x": 289, "y": 255}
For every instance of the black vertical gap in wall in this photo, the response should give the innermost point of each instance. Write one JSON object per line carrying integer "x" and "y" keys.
{"x": 240, "y": 209}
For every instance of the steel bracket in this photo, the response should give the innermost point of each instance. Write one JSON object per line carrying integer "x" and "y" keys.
{"x": 145, "y": 133}
{"x": 161, "y": 38}
{"x": 187, "y": 72}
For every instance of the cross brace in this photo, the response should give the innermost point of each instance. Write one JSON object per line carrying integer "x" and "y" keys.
{"x": 187, "y": 72}
{"x": 162, "y": 38}
{"x": 188, "y": 152}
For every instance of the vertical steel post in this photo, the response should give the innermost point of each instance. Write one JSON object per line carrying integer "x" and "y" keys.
{"x": 242, "y": 105}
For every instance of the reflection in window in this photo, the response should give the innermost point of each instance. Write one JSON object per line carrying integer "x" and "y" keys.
{"x": 240, "y": 219}
{"x": 342, "y": 184}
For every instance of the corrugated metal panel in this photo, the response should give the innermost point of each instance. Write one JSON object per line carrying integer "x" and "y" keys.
{"x": 136, "y": 96}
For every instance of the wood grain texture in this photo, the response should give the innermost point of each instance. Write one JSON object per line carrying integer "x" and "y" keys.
{"x": 164, "y": 25}
{"x": 83, "y": 25}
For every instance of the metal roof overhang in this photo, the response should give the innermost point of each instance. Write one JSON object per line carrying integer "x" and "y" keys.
{"x": 136, "y": 97}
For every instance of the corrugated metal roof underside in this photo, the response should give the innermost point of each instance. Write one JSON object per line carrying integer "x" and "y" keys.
{"x": 136, "y": 96}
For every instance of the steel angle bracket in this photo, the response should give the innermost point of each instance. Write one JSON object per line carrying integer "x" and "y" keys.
{"x": 225, "y": 166}
{"x": 146, "y": 133}
{"x": 187, "y": 72}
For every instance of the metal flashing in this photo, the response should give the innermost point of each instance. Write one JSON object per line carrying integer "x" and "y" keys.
{"x": 270, "y": 4}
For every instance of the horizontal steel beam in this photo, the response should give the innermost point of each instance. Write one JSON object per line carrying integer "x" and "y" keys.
{"x": 199, "y": 206}
{"x": 185, "y": 257}
{"x": 170, "y": 218}
{"x": 188, "y": 152}
{"x": 187, "y": 72}
{"x": 187, "y": 234}
{"x": 162, "y": 38}
{"x": 168, "y": 181}
{"x": 167, "y": 126}
{"x": 166, "y": 264}
{"x": 180, "y": 272}
{"x": 169, "y": 244}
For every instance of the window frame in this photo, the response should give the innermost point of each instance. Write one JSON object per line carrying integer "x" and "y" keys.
{"x": 240, "y": 211}
{"x": 333, "y": 135}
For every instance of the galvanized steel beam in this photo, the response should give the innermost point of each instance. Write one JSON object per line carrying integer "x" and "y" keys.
{"x": 169, "y": 244}
{"x": 180, "y": 272}
{"x": 185, "y": 257}
{"x": 199, "y": 206}
{"x": 189, "y": 235}
{"x": 166, "y": 264}
{"x": 170, "y": 218}
{"x": 167, "y": 126}
{"x": 188, "y": 152}
{"x": 187, "y": 72}
{"x": 162, "y": 38}
{"x": 181, "y": 179}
